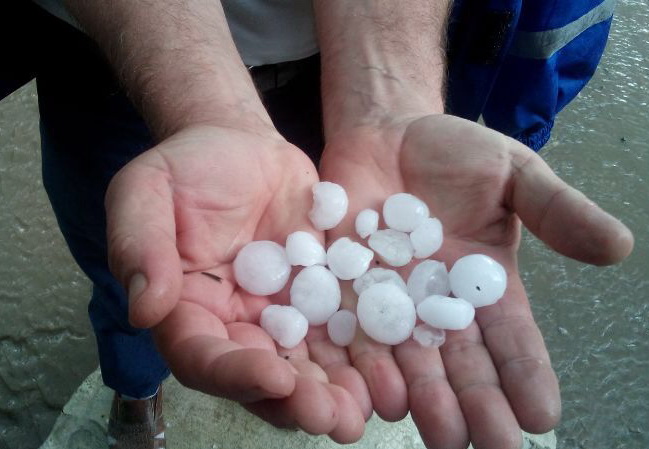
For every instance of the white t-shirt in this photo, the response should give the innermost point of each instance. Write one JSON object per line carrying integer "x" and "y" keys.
{"x": 265, "y": 31}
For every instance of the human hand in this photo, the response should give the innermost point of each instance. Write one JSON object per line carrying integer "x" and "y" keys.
{"x": 495, "y": 377}
{"x": 185, "y": 208}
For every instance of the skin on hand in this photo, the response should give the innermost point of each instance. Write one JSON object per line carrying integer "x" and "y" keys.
{"x": 185, "y": 208}
{"x": 220, "y": 178}
{"x": 490, "y": 380}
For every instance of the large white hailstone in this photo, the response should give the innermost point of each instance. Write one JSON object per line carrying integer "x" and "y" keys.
{"x": 316, "y": 293}
{"x": 386, "y": 314}
{"x": 427, "y": 238}
{"x": 261, "y": 267}
{"x": 302, "y": 248}
{"x": 428, "y": 336}
{"x": 285, "y": 324}
{"x": 348, "y": 259}
{"x": 341, "y": 327}
{"x": 404, "y": 212}
{"x": 376, "y": 275}
{"x": 479, "y": 279}
{"x": 428, "y": 278}
{"x": 393, "y": 247}
{"x": 329, "y": 205}
{"x": 443, "y": 312}
{"x": 367, "y": 222}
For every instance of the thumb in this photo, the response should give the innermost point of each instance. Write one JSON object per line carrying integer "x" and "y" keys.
{"x": 142, "y": 242}
{"x": 563, "y": 217}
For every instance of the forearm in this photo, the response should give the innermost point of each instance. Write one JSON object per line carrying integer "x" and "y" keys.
{"x": 177, "y": 61}
{"x": 380, "y": 59}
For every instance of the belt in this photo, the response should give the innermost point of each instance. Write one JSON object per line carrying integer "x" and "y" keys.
{"x": 273, "y": 76}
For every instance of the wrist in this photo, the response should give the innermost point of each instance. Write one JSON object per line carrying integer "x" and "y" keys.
{"x": 177, "y": 62}
{"x": 381, "y": 61}
{"x": 380, "y": 98}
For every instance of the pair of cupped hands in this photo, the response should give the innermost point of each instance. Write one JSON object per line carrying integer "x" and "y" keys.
{"x": 187, "y": 206}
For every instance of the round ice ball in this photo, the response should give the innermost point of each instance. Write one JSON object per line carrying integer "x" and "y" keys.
{"x": 404, "y": 212}
{"x": 367, "y": 222}
{"x": 443, "y": 312}
{"x": 348, "y": 259}
{"x": 302, "y": 248}
{"x": 386, "y": 313}
{"x": 428, "y": 336}
{"x": 341, "y": 327}
{"x": 261, "y": 267}
{"x": 329, "y": 205}
{"x": 376, "y": 275}
{"x": 428, "y": 278}
{"x": 285, "y": 324}
{"x": 393, "y": 247}
{"x": 316, "y": 293}
{"x": 427, "y": 238}
{"x": 479, "y": 279}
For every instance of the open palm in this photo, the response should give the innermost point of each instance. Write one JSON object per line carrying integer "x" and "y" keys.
{"x": 495, "y": 377}
{"x": 177, "y": 216}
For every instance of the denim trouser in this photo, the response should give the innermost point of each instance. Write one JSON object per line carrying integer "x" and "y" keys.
{"x": 90, "y": 130}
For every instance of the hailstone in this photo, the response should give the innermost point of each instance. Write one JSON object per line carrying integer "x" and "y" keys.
{"x": 285, "y": 324}
{"x": 393, "y": 247}
{"x": 427, "y": 238}
{"x": 329, "y": 205}
{"x": 427, "y": 335}
{"x": 404, "y": 212}
{"x": 386, "y": 313}
{"x": 302, "y": 248}
{"x": 376, "y": 275}
{"x": 367, "y": 222}
{"x": 261, "y": 267}
{"x": 443, "y": 312}
{"x": 316, "y": 293}
{"x": 479, "y": 279}
{"x": 428, "y": 278}
{"x": 341, "y": 327}
{"x": 348, "y": 259}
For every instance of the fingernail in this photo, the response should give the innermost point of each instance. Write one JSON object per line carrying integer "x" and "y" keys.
{"x": 136, "y": 287}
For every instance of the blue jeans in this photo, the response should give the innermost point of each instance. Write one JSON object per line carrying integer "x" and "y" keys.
{"x": 89, "y": 130}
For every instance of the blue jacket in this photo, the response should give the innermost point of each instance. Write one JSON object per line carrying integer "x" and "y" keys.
{"x": 519, "y": 62}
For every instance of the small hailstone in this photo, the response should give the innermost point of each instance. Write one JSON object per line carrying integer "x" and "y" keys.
{"x": 376, "y": 275}
{"x": 329, "y": 205}
{"x": 386, "y": 314}
{"x": 443, "y": 312}
{"x": 261, "y": 267}
{"x": 404, "y": 212}
{"x": 347, "y": 259}
{"x": 428, "y": 278}
{"x": 285, "y": 324}
{"x": 392, "y": 246}
{"x": 427, "y": 335}
{"x": 367, "y": 222}
{"x": 427, "y": 238}
{"x": 341, "y": 327}
{"x": 479, "y": 279}
{"x": 302, "y": 248}
{"x": 316, "y": 293}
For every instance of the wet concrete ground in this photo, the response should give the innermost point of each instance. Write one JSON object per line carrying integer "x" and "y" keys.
{"x": 595, "y": 320}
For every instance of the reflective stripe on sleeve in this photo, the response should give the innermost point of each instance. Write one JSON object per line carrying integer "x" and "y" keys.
{"x": 544, "y": 44}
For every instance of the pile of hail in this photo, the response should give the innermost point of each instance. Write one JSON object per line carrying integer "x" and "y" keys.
{"x": 388, "y": 307}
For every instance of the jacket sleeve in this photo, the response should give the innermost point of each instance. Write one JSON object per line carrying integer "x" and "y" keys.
{"x": 549, "y": 52}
